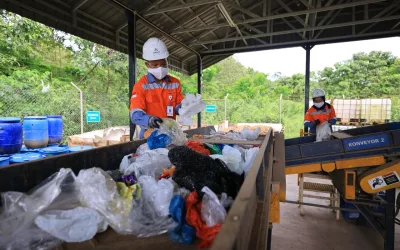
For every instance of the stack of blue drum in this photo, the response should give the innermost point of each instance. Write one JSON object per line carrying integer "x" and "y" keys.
{"x": 37, "y": 137}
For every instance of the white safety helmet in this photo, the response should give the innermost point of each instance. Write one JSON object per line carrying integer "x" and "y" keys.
{"x": 154, "y": 49}
{"x": 318, "y": 93}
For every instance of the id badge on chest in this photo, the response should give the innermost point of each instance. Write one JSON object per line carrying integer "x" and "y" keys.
{"x": 170, "y": 108}
{"x": 170, "y": 111}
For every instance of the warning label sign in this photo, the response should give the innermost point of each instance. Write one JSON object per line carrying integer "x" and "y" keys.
{"x": 391, "y": 178}
{"x": 385, "y": 180}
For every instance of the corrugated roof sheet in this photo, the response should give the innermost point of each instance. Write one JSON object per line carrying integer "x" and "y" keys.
{"x": 297, "y": 24}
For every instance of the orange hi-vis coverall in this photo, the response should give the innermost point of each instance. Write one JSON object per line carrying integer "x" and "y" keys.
{"x": 153, "y": 98}
{"x": 323, "y": 114}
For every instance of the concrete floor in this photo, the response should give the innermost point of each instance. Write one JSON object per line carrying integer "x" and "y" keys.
{"x": 319, "y": 229}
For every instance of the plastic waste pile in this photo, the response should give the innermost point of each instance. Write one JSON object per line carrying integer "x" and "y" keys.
{"x": 169, "y": 185}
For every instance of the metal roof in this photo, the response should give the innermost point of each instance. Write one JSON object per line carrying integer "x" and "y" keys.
{"x": 216, "y": 28}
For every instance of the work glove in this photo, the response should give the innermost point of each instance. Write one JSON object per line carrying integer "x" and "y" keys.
{"x": 154, "y": 122}
{"x": 316, "y": 122}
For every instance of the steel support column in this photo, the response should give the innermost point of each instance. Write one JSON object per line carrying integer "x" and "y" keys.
{"x": 307, "y": 80}
{"x": 132, "y": 61}
{"x": 389, "y": 219}
{"x": 199, "y": 76}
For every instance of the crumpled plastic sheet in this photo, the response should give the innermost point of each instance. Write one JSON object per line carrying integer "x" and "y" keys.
{"x": 191, "y": 105}
{"x": 17, "y": 228}
{"x": 142, "y": 148}
{"x": 250, "y": 156}
{"x": 183, "y": 232}
{"x": 323, "y": 132}
{"x": 158, "y": 192}
{"x": 249, "y": 134}
{"x": 226, "y": 201}
{"x": 194, "y": 171}
{"x": 171, "y": 128}
{"x": 234, "y": 159}
{"x": 221, "y": 157}
{"x": 193, "y": 217}
{"x": 158, "y": 140}
{"x": 151, "y": 163}
{"x": 99, "y": 192}
{"x": 150, "y": 213}
{"x": 198, "y": 147}
{"x": 126, "y": 161}
{"x": 212, "y": 211}
{"x": 75, "y": 225}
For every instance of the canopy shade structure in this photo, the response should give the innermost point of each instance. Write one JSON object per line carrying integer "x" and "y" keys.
{"x": 215, "y": 29}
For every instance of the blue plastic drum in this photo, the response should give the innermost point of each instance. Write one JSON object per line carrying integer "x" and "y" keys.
{"x": 4, "y": 161}
{"x": 36, "y": 132}
{"x": 10, "y": 135}
{"x": 79, "y": 148}
{"x": 56, "y": 127}
{"x": 25, "y": 157}
{"x": 53, "y": 151}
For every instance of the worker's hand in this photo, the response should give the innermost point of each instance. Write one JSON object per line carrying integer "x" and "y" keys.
{"x": 316, "y": 122}
{"x": 154, "y": 122}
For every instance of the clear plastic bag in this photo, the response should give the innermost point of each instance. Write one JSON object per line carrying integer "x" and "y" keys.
{"x": 212, "y": 211}
{"x": 158, "y": 192}
{"x": 75, "y": 225}
{"x": 172, "y": 129}
{"x": 250, "y": 156}
{"x": 150, "y": 212}
{"x": 150, "y": 163}
{"x": 234, "y": 158}
{"x": 324, "y": 132}
{"x": 226, "y": 201}
{"x": 17, "y": 228}
{"x": 191, "y": 105}
{"x": 99, "y": 192}
{"x": 249, "y": 134}
{"x": 126, "y": 161}
{"x": 221, "y": 157}
{"x": 142, "y": 149}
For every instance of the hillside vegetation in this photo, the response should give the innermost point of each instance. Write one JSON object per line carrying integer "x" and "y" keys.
{"x": 31, "y": 52}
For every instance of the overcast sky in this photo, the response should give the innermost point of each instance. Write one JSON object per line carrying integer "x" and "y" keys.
{"x": 291, "y": 61}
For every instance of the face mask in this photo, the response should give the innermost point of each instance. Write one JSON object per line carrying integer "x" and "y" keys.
{"x": 159, "y": 72}
{"x": 318, "y": 104}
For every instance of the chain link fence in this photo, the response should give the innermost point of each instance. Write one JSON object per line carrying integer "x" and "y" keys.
{"x": 19, "y": 102}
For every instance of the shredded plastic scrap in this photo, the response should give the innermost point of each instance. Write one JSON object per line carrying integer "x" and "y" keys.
{"x": 194, "y": 171}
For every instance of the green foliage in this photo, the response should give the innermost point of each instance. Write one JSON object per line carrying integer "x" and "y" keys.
{"x": 31, "y": 52}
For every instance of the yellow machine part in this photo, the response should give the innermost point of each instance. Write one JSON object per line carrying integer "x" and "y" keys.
{"x": 350, "y": 185}
{"x": 306, "y": 168}
{"x": 381, "y": 178}
{"x": 274, "y": 209}
{"x": 360, "y": 162}
{"x": 369, "y": 161}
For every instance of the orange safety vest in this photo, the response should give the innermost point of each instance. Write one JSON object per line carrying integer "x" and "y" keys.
{"x": 324, "y": 114}
{"x": 153, "y": 97}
